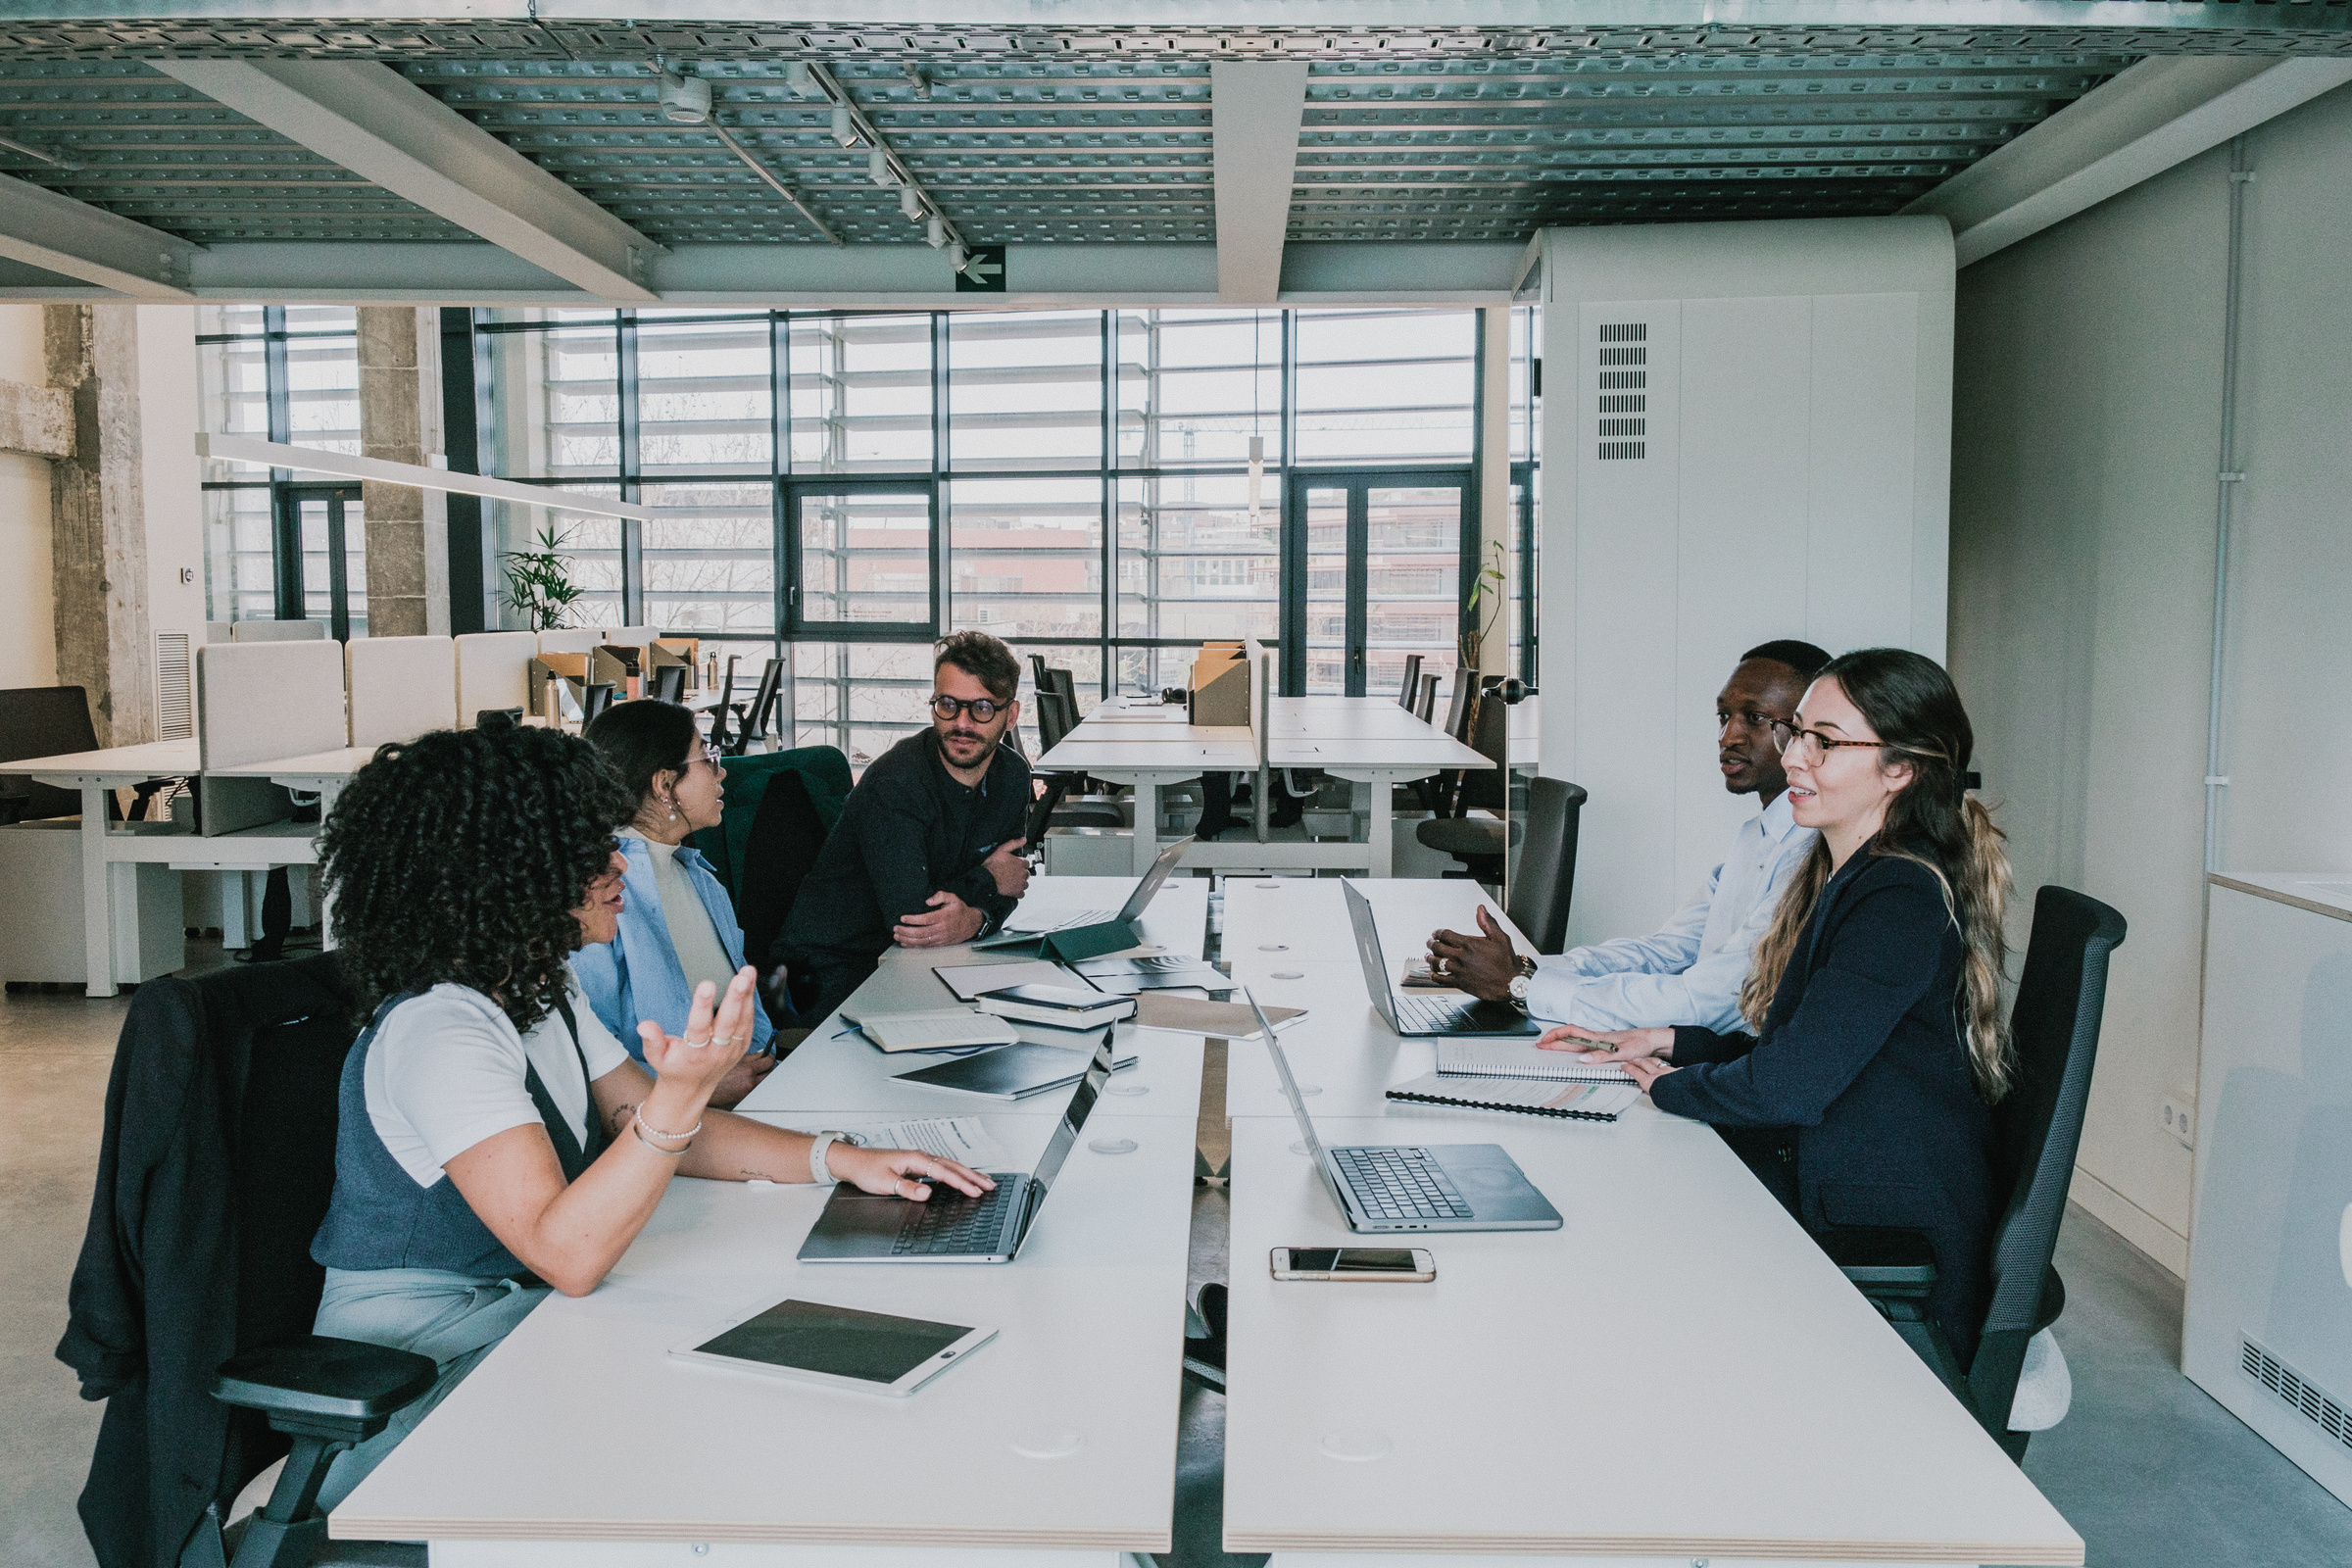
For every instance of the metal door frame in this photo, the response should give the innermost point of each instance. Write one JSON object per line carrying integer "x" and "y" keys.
{"x": 1360, "y": 482}
{"x": 790, "y": 494}
{"x": 293, "y": 589}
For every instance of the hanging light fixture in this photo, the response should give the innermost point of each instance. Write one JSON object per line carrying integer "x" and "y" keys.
{"x": 878, "y": 170}
{"x": 936, "y": 233}
{"x": 797, "y": 79}
{"x": 1257, "y": 443}
{"x": 958, "y": 258}
{"x": 843, "y": 132}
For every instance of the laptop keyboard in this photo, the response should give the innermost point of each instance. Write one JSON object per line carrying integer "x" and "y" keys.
{"x": 955, "y": 1223}
{"x": 1427, "y": 1014}
{"x": 1400, "y": 1183}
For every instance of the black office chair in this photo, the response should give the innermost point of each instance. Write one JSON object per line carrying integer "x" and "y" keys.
{"x": 1426, "y": 703}
{"x": 750, "y": 718}
{"x": 1406, "y": 690}
{"x": 2061, "y": 998}
{"x": 1067, "y": 801}
{"x": 669, "y": 684}
{"x": 595, "y": 697}
{"x": 1435, "y": 794}
{"x": 718, "y": 710}
{"x": 221, "y": 1374}
{"x": 1477, "y": 842}
{"x": 1546, "y": 876}
{"x": 52, "y": 722}
{"x": 787, "y": 833}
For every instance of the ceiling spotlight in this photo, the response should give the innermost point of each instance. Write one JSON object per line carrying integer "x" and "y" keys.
{"x": 917, "y": 80}
{"x": 798, "y": 80}
{"x": 685, "y": 100}
{"x": 911, "y": 203}
{"x": 958, "y": 258}
{"x": 936, "y": 232}
{"x": 843, "y": 132}
{"x": 878, "y": 170}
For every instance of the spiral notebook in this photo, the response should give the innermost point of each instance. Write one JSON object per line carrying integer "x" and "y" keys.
{"x": 1528, "y": 1097}
{"x": 1512, "y": 1058}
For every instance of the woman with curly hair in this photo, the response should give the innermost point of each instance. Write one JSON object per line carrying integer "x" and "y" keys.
{"x": 677, "y": 924}
{"x": 1875, "y": 996}
{"x": 495, "y": 1140}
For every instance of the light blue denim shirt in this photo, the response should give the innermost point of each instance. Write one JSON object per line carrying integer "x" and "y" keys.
{"x": 637, "y": 975}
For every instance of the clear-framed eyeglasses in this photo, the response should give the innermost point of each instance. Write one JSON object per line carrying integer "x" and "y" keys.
{"x": 1807, "y": 747}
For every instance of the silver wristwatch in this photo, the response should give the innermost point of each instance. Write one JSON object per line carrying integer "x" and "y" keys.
{"x": 1527, "y": 972}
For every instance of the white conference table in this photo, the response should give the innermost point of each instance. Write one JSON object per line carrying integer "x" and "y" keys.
{"x": 1680, "y": 1316}
{"x": 578, "y": 1440}
{"x": 834, "y": 1066}
{"x": 1370, "y": 741}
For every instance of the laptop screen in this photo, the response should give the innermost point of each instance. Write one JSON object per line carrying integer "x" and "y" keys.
{"x": 1073, "y": 1117}
{"x": 1148, "y": 887}
{"x": 1290, "y": 1091}
{"x": 1367, "y": 953}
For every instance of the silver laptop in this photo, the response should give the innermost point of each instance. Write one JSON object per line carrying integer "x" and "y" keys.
{"x": 1023, "y": 927}
{"x": 1417, "y": 1017}
{"x": 1386, "y": 1188}
{"x": 860, "y": 1227}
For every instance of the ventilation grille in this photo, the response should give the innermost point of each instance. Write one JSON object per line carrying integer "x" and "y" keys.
{"x": 2309, "y": 1403}
{"x": 1622, "y": 426}
{"x": 175, "y": 690}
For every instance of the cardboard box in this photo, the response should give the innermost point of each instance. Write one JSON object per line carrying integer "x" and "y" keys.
{"x": 1219, "y": 693}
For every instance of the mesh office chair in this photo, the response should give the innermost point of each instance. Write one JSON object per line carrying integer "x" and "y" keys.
{"x": 669, "y": 684}
{"x": 595, "y": 698}
{"x": 750, "y": 718}
{"x": 724, "y": 706}
{"x": 1066, "y": 802}
{"x": 2061, "y": 998}
{"x": 1411, "y": 683}
{"x": 1478, "y": 842}
{"x": 1546, "y": 876}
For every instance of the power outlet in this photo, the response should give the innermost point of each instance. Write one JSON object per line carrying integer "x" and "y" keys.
{"x": 2178, "y": 1113}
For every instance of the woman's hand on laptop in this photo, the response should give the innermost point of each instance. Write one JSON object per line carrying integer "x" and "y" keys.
{"x": 1623, "y": 1047}
{"x": 901, "y": 1172}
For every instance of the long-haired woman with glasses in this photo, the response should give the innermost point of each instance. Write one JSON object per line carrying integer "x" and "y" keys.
{"x": 1861, "y": 1098}
{"x": 678, "y": 928}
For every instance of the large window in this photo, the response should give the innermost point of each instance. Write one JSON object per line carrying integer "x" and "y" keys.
{"x": 833, "y": 488}
{"x": 279, "y": 544}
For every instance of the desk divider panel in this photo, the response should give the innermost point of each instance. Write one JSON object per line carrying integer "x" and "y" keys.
{"x": 401, "y": 687}
{"x": 276, "y": 631}
{"x": 631, "y": 636}
{"x": 493, "y": 670}
{"x": 570, "y": 640}
{"x": 260, "y": 700}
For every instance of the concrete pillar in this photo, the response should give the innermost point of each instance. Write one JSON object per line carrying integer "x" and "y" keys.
{"x": 98, "y": 537}
{"x": 1495, "y": 523}
{"x": 400, "y": 391}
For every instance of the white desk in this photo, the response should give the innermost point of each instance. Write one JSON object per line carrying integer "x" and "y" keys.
{"x": 96, "y": 774}
{"x": 323, "y": 773}
{"x": 1369, "y": 740}
{"x": 579, "y": 1441}
{"x": 1678, "y": 1373}
{"x": 833, "y": 1068}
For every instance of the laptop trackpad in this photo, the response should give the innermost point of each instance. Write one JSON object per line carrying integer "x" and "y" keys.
{"x": 850, "y": 1213}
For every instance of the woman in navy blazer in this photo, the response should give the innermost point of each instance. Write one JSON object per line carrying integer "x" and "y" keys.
{"x": 1862, "y": 1098}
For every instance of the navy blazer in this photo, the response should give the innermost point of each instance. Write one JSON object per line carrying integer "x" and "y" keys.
{"x": 1856, "y": 1107}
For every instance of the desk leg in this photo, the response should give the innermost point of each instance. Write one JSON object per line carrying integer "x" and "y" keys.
{"x": 1147, "y": 824}
{"x": 97, "y": 904}
{"x": 1381, "y": 849}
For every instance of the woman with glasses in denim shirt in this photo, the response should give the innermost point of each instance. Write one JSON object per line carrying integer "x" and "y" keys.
{"x": 678, "y": 927}
{"x": 1861, "y": 1097}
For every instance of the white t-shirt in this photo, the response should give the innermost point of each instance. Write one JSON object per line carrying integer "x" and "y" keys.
{"x": 446, "y": 1071}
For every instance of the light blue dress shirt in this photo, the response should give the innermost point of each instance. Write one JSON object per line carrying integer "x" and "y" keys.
{"x": 637, "y": 975}
{"x": 1690, "y": 973}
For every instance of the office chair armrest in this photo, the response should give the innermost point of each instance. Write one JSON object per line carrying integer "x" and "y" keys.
{"x": 1882, "y": 1262}
{"x": 331, "y": 1388}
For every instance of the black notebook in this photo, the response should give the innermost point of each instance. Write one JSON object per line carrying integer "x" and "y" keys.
{"x": 1527, "y": 1097}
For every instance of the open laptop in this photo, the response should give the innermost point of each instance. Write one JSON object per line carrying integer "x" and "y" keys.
{"x": 860, "y": 1227}
{"x": 1384, "y": 1188}
{"x": 1417, "y": 1017}
{"x": 1025, "y": 926}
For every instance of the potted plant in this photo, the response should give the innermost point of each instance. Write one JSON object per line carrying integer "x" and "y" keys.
{"x": 539, "y": 585}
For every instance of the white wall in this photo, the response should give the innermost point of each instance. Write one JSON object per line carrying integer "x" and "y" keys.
{"x": 27, "y": 634}
{"x": 2087, "y": 382}
{"x": 1794, "y": 485}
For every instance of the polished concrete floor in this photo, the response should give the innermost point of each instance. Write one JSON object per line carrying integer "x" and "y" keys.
{"x": 2153, "y": 1473}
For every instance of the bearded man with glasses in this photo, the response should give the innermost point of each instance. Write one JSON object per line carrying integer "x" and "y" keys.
{"x": 927, "y": 853}
{"x": 1691, "y": 971}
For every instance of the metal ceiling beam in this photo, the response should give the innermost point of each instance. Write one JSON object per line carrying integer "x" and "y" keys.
{"x": 388, "y": 131}
{"x": 2156, "y": 115}
{"x": 254, "y": 454}
{"x": 78, "y": 240}
{"x": 1255, "y": 113}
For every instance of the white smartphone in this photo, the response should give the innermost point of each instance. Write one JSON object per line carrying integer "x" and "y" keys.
{"x": 836, "y": 1347}
{"x": 1397, "y": 1265}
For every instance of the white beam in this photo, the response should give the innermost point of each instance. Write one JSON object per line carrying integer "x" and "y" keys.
{"x": 1255, "y": 110}
{"x": 44, "y": 230}
{"x": 309, "y": 460}
{"x": 2158, "y": 113}
{"x": 385, "y": 128}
